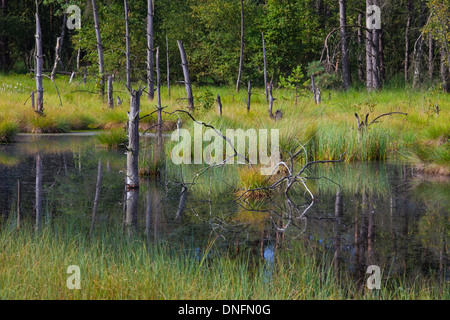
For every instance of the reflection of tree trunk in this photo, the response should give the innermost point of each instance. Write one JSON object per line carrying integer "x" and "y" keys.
{"x": 182, "y": 203}
{"x": 132, "y": 211}
{"x": 338, "y": 213}
{"x": 370, "y": 234}
{"x": 148, "y": 214}
{"x": 97, "y": 196}
{"x": 38, "y": 205}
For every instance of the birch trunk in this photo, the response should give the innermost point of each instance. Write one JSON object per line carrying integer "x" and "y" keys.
{"x": 57, "y": 58}
{"x": 265, "y": 67}
{"x": 346, "y": 74}
{"x": 168, "y": 67}
{"x": 150, "y": 77}
{"x": 39, "y": 68}
{"x": 127, "y": 40}
{"x": 133, "y": 140}
{"x": 241, "y": 56}
{"x": 187, "y": 81}
{"x": 101, "y": 67}
{"x": 110, "y": 92}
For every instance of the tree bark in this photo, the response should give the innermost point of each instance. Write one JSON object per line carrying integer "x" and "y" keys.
{"x": 133, "y": 140}
{"x": 219, "y": 104}
{"x": 101, "y": 67}
{"x": 346, "y": 73}
{"x": 150, "y": 77}
{"x": 444, "y": 71}
{"x": 360, "y": 41}
{"x": 249, "y": 95}
{"x": 168, "y": 67}
{"x": 110, "y": 92}
{"x": 408, "y": 26}
{"x": 187, "y": 80}
{"x": 57, "y": 58}
{"x": 127, "y": 40}
{"x": 265, "y": 67}
{"x": 39, "y": 67}
{"x": 241, "y": 56}
{"x": 430, "y": 57}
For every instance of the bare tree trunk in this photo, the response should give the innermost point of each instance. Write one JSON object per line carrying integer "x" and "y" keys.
{"x": 182, "y": 203}
{"x": 382, "y": 68}
{"x": 241, "y": 56}
{"x": 430, "y": 58}
{"x": 168, "y": 67}
{"x": 97, "y": 196}
{"x": 444, "y": 72}
{"x": 39, "y": 67}
{"x": 63, "y": 33}
{"x": 187, "y": 81}
{"x": 127, "y": 40}
{"x": 133, "y": 140}
{"x": 270, "y": 100}
{"x": 249, "y": 95}
{"x": 417, "y": 60}
{"x": 219, "y": 104}
{"x": 158, "y": 94}
{"x": 150, "y": 77}
{"x": 101, "y": 67}
{"x": 57, "y": 59}
{"x": 110, "y": 92}
{"x": 360, "y": 41}
{"x": 408, "y": 26}
{"x": 346, "y": 73}
{"x": 265, "y": 67}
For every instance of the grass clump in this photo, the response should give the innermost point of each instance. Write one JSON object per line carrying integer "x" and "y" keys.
{"x": 250, "y": 178}
{"x": 112, "y": 139}
{"x": 8, "y": 131}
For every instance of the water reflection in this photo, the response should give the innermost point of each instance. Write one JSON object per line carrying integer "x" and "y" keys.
{"x": 362, "y": 214}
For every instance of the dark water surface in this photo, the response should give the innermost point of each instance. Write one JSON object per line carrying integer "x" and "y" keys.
{"x": 380, "y": 214}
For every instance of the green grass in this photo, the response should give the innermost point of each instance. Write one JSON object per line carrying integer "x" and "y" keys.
{"x": 33, "y": 266}
{"x": 326, "y": 130}
{"x": 8, "y": 131}
{"x": 112, "y": 139}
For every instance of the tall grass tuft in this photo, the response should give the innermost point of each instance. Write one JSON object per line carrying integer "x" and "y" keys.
{"x": 8, "y": 131}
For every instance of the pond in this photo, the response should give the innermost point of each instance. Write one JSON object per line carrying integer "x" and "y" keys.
{"x": 363, "y": 214}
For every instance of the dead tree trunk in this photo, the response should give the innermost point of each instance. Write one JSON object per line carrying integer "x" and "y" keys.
{"x": 444, "y": 71}
{"x": 360, "y": 41}
{"x": 219, "y": 104}
{"x": 417, "y": 60}
{"x": 265, "y": 67}
{"x": 249, "y": 95}
{"x": 101, "y": 67}
{"x": 408, "y": 26}
{"x": 39, "y": 67}
{"x": 133, "y": 140}
{"x": 346, "y": 73}
{"x": 57, "y": 58}
{"x": 158, "y": 94}
{"x": 271, "y": 99}
{"x": 168, "y": 67}
{"x": 150, "y": 77}
{"x": 430, "y": 57}
{"x": 127, "y": 40}
{"x": 110, "y": 92}
{"x": 187, "y": 81}
{"x": 241, "y": 55}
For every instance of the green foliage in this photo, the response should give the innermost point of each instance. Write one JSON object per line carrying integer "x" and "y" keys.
{"x": 204, "y": 98}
